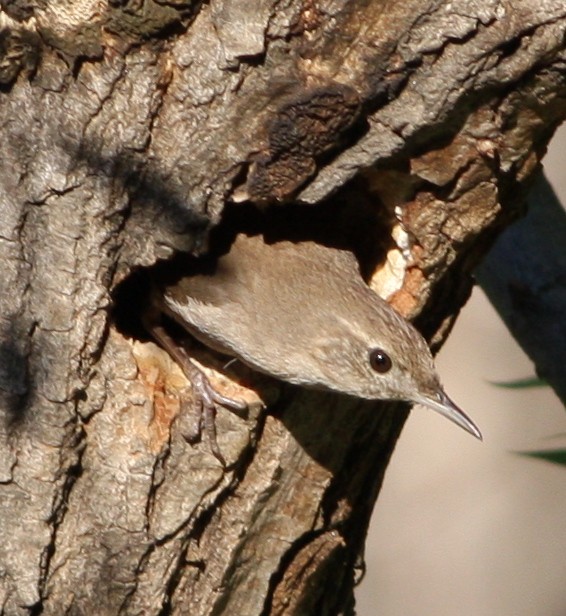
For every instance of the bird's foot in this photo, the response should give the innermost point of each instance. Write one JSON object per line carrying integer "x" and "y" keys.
{"x": 205, "y": 397}
{"x": 204, "y": 409}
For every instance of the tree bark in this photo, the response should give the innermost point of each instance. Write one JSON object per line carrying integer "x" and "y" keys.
{"x": 127, "y": 127}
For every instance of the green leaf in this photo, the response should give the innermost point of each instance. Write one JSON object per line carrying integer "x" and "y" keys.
{"x": 556, "y": 456}
{"x": 530, "y": 381}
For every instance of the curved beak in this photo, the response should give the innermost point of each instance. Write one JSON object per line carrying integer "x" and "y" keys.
{"x": 443, "y": 405}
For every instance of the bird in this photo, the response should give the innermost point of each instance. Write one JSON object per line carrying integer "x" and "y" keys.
{"x": 301, "y": 312}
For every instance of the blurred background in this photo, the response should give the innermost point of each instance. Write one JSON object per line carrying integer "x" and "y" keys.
{"x": 463, "y": 528}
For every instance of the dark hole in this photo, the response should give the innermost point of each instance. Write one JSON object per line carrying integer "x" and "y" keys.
{"x": 131, "y": 297}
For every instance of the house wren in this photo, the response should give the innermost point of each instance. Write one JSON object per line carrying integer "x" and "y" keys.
{"x": 300, "y": 312}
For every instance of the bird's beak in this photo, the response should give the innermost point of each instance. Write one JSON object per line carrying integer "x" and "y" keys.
{"x": 442, "y": 403}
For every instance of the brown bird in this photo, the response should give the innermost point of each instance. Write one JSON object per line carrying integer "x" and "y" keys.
{"x": 302, "y": 313}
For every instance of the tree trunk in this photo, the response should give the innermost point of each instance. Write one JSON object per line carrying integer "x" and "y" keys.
{"x": 127, "y": 127}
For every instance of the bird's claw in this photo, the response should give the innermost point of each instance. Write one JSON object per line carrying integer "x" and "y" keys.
{"x": 205, "y": 396}
{"x": 206, "y": 399}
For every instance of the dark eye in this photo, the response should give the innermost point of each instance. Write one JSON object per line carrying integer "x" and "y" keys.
{"x": 380, "y": 361}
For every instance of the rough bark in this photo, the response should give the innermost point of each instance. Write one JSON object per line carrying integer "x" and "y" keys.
{"x": 126, "y": 128}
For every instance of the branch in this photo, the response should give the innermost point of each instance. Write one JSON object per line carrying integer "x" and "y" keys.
{"x": 408, "y": 130}
{"x": 524, "y": 276}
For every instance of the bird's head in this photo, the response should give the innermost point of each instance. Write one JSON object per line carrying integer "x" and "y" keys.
{"x": 380, "y": 355}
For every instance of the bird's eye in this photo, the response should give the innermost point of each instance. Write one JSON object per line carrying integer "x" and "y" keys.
{"x": 380, "y": 361}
